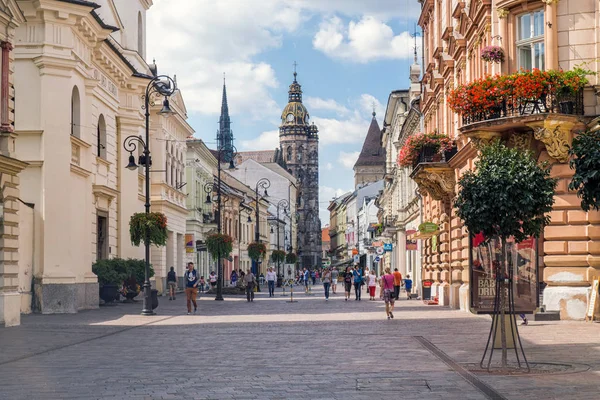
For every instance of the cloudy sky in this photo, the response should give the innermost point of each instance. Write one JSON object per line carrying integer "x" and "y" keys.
{"x": 351, "y": 54}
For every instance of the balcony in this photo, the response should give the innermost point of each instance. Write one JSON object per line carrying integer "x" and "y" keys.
{"x": 432, "y": 173}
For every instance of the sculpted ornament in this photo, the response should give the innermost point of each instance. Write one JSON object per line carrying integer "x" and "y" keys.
{"x": 502, "y": 12}
{"x": 439, "y": 184}
{"x": 556, "y": 141}
{"x": 520, "y": 141}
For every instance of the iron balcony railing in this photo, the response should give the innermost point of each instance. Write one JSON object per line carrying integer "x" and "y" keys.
{"x": 512, "y": 106}
{"x": 428, "y": 155}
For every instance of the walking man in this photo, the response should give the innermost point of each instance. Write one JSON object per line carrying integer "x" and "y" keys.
{"x": 271, "y": 276}
{"x": 397, "y": 282}
{"x": 191, "y": 287}
{"x": 334, "y": 278}
{"x": 306, "y": 276}
{"x": 388, "y": 293}
{"x": 172, "y": 283}
{"x": 408, "y": 286}
{"x": 326, "y": 279}
{"x": 358, "y": 281}
{"x": 348, "y": 282}
{"x": 249, "y": 280}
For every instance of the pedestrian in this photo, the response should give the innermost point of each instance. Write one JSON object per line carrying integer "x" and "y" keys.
{"x": 271, "y": 276}
{"x": 212, "y": 278}
{"x": 306, "y": 277}
{"x": 408, "y": 286}
{"x": 388, "y": 293}
{"x": 348, "y": 282}
{"x": 524, "y": 319}
{"x": 326, "y": 280}
{"x": 172, "y": 283}
{"x": 372, "y": 284}
{"x": 397, "y": 282}
{"x": 250, "y": 281}
{"x": 202, "y": 284}
{"x": 313, "y": 276}
{"x": 334, "y": 279}
{"x": 234, "y": 278}
{"x": 358, "y": 282}
{"x": 191, "y": 287}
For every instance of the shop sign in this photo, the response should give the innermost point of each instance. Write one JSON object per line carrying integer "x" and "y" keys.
{"x": 434, "y": 243}
{"x": 189, "y": 242}
{"x": 387, "y": 247}
{"x": 380, "y": 250}
{"x": 411, "y": 244}
{"x": 427, "y": 283}
{"x": 200, "y": 246}
{"x": 428, "y": 227}
{"x": 485, "y": 263}
{"x": 354, "y": 252}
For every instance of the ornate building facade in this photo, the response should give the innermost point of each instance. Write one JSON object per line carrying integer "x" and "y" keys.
{"x": 299, "y": 143}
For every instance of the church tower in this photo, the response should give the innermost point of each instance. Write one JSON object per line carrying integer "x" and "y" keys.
{"x": 225, "y": 134}
{"x": 299, "y": 144}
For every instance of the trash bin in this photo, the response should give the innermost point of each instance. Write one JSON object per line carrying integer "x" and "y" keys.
{"x": 427, "y": 289}
{"x": 154, "y": 296}
{"x": 279, "y": 280}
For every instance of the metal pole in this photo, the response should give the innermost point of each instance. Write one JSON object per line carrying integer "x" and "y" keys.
{"x": 219, "y": 263}
{"x": 147, "y": 306}
{"x": 278, "y": 247}
{"x": 257, "y": 237}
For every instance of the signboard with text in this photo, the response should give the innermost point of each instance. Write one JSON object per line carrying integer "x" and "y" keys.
{"x": 485, "y": 264}
{"x": 189, "y": 242}
{"x": 411, "y": 244}
{"x": 387, "y": 247}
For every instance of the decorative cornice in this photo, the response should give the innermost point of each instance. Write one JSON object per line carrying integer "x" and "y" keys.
{"x": 11, "y": 165}
{"x": 502, "y": 12}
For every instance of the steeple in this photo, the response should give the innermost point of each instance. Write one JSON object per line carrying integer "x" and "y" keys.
{"x": 224, "y": 134}
{"x": 295, "y": 92}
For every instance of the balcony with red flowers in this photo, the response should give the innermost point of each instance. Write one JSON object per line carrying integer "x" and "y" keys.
{"x": 545, "y": 105}
{"x": 428, "y": 156}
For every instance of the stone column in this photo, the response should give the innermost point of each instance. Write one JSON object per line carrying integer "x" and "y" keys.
{"x": 551, "y": 33}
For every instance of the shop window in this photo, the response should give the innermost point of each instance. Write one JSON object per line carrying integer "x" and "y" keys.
{"x": 530, "y": 40}
{"x": 101, "y": 137}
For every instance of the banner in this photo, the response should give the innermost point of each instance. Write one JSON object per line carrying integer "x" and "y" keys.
{"x": 189, "y": 243}
{"x": 486, "y": 263}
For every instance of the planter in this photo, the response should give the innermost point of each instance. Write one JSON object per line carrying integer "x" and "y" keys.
{"x": 109, "y": 293}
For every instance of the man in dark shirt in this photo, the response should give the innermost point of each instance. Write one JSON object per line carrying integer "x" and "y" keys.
{"x": 191, "y": 287}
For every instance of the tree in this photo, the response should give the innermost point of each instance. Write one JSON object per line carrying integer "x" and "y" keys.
{"x": 586, "y": 163}
{"x": 508, "y": 194}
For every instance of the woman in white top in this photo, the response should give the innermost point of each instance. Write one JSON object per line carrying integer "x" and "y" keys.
{"x": 372, "y": 281}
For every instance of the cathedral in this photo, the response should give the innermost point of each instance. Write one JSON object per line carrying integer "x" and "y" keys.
{"x": 299, "y": 144}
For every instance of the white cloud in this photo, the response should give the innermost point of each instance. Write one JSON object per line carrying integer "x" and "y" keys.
{"x": 366, "y": 40}
{"x": 367, "y": 102}
{"x": 335, "y": 131}
{"x": 317, "y": 103}
{"x": 348, "y": 159}
{"x": 265, "y": 141}
{"x": 326, "y": 194}
{"x": 328, "y": 166}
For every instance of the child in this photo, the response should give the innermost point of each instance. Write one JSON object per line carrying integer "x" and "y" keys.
{"x": 202, "y": 283}
{"x": 408, "y": 286}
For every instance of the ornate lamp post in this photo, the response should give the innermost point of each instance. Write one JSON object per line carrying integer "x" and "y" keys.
{"x": 284, "y": 205}
{"x": 161, "y": 85}
{"x": 209, "y": 188}
{"x": 264, "y": 184}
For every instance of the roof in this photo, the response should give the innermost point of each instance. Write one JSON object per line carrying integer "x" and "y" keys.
{"x": 261, "y": 156}
{"x": 372, "y": 153}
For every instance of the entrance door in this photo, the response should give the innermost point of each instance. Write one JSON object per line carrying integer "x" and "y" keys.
{"x": 101, "y": 236}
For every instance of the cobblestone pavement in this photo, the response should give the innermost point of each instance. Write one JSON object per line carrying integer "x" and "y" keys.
{"x": 272, "y": 349}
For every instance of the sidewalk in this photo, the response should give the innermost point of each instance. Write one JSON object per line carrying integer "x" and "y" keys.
{"x": 272, "y": 349}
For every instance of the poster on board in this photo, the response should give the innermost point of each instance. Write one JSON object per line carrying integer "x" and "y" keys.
{"x": 485, "y": 263}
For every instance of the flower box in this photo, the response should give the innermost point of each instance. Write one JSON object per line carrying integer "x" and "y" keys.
{"x": 424, "y": 147}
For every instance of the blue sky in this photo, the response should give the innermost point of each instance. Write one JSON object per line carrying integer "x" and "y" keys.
{"x": 350, "y": 54}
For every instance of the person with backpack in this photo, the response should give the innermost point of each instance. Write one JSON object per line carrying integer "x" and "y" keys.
{"x": 388, "y": 293}
{"x": 172, "y": 283}
{"x": 348, "y": 282}
{"x": 191, "y": 287}
{"x": 358, "y": 281}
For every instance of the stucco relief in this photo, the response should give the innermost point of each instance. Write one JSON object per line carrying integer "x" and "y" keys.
{"x": 438, "y": 183}
{"x": 555, "y": 138}
{"x": 521, "y": 141}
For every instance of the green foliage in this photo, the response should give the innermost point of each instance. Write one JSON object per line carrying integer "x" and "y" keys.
{"x": 219, "y": 245}
{"x": 291, "y": 258}
{"x": 257, "y": 251}
{"x": 278, "y": 256}
{"x": 117, "y": 270}
{"x": 508, "y": 194}
{"x": 586, "y": 163}
{"x": 151, "y": 225}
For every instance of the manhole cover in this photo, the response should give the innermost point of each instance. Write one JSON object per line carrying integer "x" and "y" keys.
{"x": 536, "y": 368}
{"x": 392, "y": 384}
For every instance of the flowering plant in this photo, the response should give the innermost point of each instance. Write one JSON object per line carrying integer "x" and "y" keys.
{"x": 291, "y": 258}
{"x": 219, "y": 245}
{"x": 409, "y": 153}
{"x": 493, "y": 54}
{"x": 257, "y": 250}
{"x": 496, "y": 91}
{"x": 278, "y": 256}
{"x": 148, "y": 227}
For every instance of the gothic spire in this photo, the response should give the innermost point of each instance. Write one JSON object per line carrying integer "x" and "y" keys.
{"x": 225, "y": 135}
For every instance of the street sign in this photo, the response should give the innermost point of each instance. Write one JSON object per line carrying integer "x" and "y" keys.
{"x": 380, "y": 250}
{"x": 377, "y": 259}
{"x": 356, "y": 259}
{"x": 387, "y": 247}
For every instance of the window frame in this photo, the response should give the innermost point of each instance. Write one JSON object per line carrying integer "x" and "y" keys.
{"x": 531, "y": 41}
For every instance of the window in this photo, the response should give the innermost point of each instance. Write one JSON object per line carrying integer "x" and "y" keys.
{"x": 101, "y": 236}
{"x": 101, "y": 137}
{"x": 530, "y": 40}
{"x": 300, "y": 153}
{"x": 75, "y": 113}
{"x": 289, "y": 153}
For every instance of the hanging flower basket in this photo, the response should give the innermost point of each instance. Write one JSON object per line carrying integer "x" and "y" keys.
{"x": 257, "y": 251}
{"x": 434, "y": 142}
{"x": 291, "y": 258}
{"x": 219, "y": 245}
{"x": 278, "y": 256}
{"x": 493, "y": 54}
{"x": 152, "y": 226}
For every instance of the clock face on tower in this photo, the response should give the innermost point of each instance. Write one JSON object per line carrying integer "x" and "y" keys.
{"x": 289, "y": 117}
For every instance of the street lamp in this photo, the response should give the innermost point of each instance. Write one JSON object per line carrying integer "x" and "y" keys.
{"x": 264, "y": 184}
{"x": 284, "y": 204}
{"x": 161, "y": 85}
{"x": 209, "y": 188}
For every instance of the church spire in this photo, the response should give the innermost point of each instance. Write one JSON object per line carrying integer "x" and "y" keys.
{"x": 224, "y": 134}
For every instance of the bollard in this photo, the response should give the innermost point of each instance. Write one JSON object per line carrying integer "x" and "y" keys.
{"x": 292, "y": 295}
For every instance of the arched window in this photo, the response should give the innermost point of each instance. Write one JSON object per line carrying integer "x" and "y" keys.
{"x": 75, "y": 113}
{"x": 300, "y": 153}
{"x": 101, "y": 137}
{"x": 141, "y": 35}
{"x": 289, "y": 153}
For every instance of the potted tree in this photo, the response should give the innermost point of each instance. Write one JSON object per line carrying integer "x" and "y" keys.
{"x": 508, "y": 195}
{"x": 111, "y": 274}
